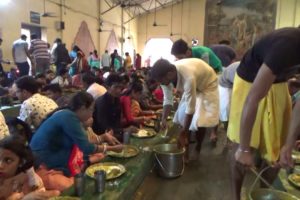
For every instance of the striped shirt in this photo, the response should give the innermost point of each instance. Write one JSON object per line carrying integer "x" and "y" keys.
{"x": 39, "y": 49}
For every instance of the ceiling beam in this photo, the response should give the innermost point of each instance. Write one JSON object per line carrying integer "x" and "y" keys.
{"x": 112, "y": 7}
{"x": 108, "y": 3}
{"x": 162, "y": 5}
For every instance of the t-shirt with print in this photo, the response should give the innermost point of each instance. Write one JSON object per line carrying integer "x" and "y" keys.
{"x": 35, "y": 109}
{"x": 279, "y": 50}
{"x": 3, "y": 127}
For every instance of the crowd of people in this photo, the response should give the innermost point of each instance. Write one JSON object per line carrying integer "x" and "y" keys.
{"x": 70, "y": 115}
{"x": 57, "y": 134}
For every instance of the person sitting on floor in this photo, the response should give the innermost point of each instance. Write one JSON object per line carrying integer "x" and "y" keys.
{"x": 148, "y": 102}
{"x": 54, "y": 92}
{"x": 76, "y": 161}
{"x": 41, "y": 80}
{"x": 13, "y": 74}
{"x": 132, "y": 113}
{"x": 50, "y": 75}
{"x": 22, "y": 130}
{"x": 93, "y": 88}
{"x": 15, "y": 159}
{"x": 107, "y": 114}
{"x": 98, "y": 75}
{"x": 62, "y": 78}
{"x": 3, "y": 127}
{"x": 77, "y": 80}
{"x": 54, "y": 141}
{"x": 35, "y": 107}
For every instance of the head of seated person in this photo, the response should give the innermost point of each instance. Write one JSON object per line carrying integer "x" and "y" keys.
{"x": 41, "y": 80}
{"x": 98, "y": 75}
{"x": 114, "y": 84}
{"x": 4, "y": 81}
{"x": 126, "y": 79}
{"x": 15, "y": 157}
{"x": 134, "y": 77}
{"x": 96, "y": 71}
{"x": 152, "y": 84}
{"x": 88, "y": 79}
{"x": 50, "y": 75}
{"x": 18, "y": 178}
{"x": 63, "y": 73}
{"x": 53, "y": 91}
{"x": 134, "y": 90}
{"x": 26, "y": 86}
{"x": 19, "y": 129}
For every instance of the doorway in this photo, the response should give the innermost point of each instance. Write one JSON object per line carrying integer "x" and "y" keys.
{"x": 27, "y": 30}
{"x": 157, "y": 48}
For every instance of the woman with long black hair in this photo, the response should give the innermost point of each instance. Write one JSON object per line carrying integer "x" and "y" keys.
{"x": 54, "y": 140}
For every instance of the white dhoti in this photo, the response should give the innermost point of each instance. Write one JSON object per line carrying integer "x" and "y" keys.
{"x": 225, "y": 100}
{"x": 206, "y": 110}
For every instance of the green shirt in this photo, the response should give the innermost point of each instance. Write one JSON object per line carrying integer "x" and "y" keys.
{"x": 208, "y": 56}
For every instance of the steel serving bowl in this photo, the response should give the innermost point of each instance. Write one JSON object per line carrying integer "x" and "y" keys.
{"x": 269, "y": 194}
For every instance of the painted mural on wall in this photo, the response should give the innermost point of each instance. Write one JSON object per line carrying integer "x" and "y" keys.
{"x": 241, "y": 22}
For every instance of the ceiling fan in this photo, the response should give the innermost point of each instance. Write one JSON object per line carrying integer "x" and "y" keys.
{"x": 47, "y": 14}
{"x": 155, "y": 23}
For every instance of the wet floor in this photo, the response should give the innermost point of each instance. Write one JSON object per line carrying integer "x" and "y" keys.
{"x": 206, "y": 178}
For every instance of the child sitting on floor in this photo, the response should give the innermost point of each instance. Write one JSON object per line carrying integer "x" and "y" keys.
{"x": 15, "y": 159}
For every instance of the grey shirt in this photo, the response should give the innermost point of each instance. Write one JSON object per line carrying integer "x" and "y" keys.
{"x": 224, "y": 52}
{"x": 227, "y": 76}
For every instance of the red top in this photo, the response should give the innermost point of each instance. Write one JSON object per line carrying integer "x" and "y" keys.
{"x": 76, "y": 81}
{"x": 158, "y": 94}
{"x": 126, "y": 109}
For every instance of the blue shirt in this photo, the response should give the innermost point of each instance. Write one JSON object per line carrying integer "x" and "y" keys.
{"x": 54, "y": 140}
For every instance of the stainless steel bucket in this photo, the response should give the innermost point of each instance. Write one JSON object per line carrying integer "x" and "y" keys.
{"x": 170, "y": 160}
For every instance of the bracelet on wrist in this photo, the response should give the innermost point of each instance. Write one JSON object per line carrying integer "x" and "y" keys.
{"x": 98, "y": 139}
{"x": 104, "y": 148}
{"x": 244, "y": 150}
